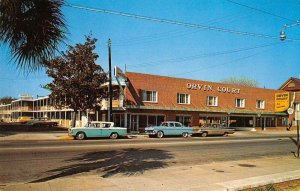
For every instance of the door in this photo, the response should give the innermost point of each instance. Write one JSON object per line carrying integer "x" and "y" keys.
{"x": 134, "y": 125}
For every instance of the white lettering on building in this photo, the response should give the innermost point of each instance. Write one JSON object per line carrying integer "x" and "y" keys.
{"x": 206, "y": 87}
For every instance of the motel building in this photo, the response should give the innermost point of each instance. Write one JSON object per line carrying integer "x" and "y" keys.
{"x": 151, "y": 99}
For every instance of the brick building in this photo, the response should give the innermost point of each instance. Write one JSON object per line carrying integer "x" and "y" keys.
{"x": 292, "y": 86}
{"x": 151, "y": 99}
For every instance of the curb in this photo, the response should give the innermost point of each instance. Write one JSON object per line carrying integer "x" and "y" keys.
{"x": 260, "y": 180}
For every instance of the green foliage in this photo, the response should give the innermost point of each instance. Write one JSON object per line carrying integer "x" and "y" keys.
{"x": 243, "y": 81}
{"x": 269, "y": 187}
{"x": 77, "y": 79}
{"x": 6, "y": 100}
{"x": 32, "y": 29}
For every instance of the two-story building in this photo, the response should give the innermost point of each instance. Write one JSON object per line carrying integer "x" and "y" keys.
{"x": 151, "y": 99}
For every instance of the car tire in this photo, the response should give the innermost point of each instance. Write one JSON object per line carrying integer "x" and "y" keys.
{"x": 185, "y": 134}
{"x": 204, "y": 134}
{"x": 113, "y": 135}
{"x": 80, "y": 136}
{"x": 225, "y": 134}
{"x": 160, "y": 134}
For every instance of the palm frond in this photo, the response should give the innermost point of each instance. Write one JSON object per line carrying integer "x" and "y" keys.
{"x": 32, "y": 29}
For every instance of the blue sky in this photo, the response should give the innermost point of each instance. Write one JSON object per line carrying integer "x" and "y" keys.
{"x": 178, "y": 51}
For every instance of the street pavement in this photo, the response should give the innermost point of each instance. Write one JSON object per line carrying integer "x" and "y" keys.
{"x": 213, "y": 176}
{"x": 220, "y": 176}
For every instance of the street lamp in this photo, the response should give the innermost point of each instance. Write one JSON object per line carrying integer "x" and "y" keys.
{"x": 282, "y": 33}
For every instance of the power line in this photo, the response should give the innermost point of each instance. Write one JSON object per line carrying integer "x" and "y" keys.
{"x": 262, "y": 11}
{"x": 173, "y": 22}
{"x": 225, "y": 63}
{"x": 171, "y": 34}
{"x": 194, "y": 57}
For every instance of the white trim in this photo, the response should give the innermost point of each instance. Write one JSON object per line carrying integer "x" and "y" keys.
{"x": 242, "y": 102}
{"x": 213, "y": 105}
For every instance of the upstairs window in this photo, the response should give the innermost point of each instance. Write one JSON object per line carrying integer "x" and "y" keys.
{"x": 260, "y": 104}
{"x": 212, "y": 100}
{"x": 239, "y": 103}
{"x": 183, "y": 98}
{"x": 150, "y": 96}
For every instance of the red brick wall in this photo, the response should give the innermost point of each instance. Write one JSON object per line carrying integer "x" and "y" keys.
{"x": 168, "y": 88}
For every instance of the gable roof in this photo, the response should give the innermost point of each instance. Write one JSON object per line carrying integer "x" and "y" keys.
{"x": 292, "y": 84}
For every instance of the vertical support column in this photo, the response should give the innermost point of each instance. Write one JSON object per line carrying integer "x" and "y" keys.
{"x": 228, "y": 120}
{"x": 264, "y": 125}
{"x": 298, "y": 146}
{"x": 125, "y": 120}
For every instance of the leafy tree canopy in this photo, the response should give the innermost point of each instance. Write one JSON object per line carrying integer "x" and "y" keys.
{"x": 77, "y": 79}
{"x": 6, "y": 100}
{"x": 32, "y": 29}
{"x": 243, "y": 81}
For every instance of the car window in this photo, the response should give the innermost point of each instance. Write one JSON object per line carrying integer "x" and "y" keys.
{"x": 88, "y": 125}
{"x": 177, "y": 125}
{"x": 97, "y": 125}
{"x": 106, "y": 125}
{"x": 164, "y": 124}
{"x": 171, "y": 125}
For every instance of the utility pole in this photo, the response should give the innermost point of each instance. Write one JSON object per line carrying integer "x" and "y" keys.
{"x": 109, "y": 117}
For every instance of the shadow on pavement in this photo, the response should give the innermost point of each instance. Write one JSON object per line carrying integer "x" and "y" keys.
{"x": 6, "y": 134}
{"x": 108, "y": 163}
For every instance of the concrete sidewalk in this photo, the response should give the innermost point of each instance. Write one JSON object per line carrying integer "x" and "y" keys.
{"x": 220, "y": 176}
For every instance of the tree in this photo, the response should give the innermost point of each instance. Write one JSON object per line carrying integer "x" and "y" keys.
{"x": 243, "y": 81}
{"x": 6, "y": 100}
{"x": 32, "y": 29}
{"x": 77, "y": 79}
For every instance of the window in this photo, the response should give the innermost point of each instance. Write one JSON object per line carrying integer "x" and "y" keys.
{"x": 183, "y": 98}
{"x": 240, "y": 103}
{"x": 185, "y": 120}
{"x": 260, "y": 104}
{"x": 178, "y": 125}
{"x": 150, "y": 96}
{"x": 212, "y": 100}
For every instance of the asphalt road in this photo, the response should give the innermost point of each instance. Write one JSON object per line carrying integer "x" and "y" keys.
{"x": 39, "y": 161}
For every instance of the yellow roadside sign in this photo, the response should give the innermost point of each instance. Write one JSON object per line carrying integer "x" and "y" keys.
{"x": 282, "y": 101}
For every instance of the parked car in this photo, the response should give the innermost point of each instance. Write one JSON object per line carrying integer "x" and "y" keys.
{"x": 214, "y": 129}
{"x": 168, "y": 128}
{"x": 24, "y": 119}
{"x": 42, "y": 122}
{"x": 97, "y": 129}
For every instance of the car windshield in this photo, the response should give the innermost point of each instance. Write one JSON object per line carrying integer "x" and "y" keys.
{"x": 88, "y": 124}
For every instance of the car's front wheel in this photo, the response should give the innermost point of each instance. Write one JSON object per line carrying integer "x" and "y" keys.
{"x": 80, "y": 136}
{"x": 160, "y": 134}
{"x": 113, "y": 135}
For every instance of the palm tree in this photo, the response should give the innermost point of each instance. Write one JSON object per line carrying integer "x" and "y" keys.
{"x": 32, "y": 29}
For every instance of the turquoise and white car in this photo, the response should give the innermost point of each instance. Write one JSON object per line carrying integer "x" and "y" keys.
{"x": 97, "y": 129}
{"x": 169, "y": 128}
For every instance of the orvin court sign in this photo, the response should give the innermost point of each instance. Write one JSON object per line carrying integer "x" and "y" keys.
{"x": 205, "y": 87}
